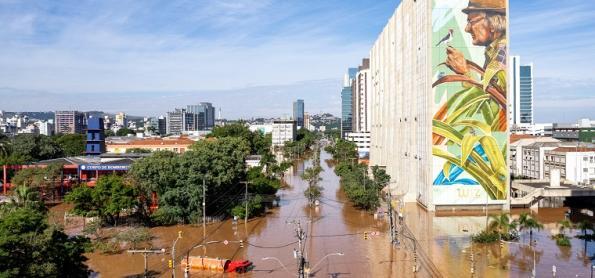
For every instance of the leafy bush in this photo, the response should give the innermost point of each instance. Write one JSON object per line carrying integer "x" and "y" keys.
{"x": 135, "y": 236}
{"x": 485, "y": 237}
{"x": 255, "y": 208}
{"x": 562, "y": 240}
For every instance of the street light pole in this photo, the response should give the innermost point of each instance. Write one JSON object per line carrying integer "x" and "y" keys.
{"x": 173, "y": 255}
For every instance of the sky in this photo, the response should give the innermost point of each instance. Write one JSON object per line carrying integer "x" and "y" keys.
{"x": 251, "y": 58}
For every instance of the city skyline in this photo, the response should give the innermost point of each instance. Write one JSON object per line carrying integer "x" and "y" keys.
{"x": 141, "y": 65}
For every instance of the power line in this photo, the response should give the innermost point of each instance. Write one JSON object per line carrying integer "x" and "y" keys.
{"x": 272, "y": 247}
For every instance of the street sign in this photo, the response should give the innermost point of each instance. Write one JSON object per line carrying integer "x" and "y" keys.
{"x": 225, "y": 242}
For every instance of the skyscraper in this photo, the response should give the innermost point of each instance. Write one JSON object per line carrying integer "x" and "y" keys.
{"x": 69, "y": 122}
{"x": 176, "y": 121}
{"x": 526, "y": 94}
{"x": 162, "y": 125}
{"x": 298, "y": 112}
{"x": 347, "y": 102}
{"x": 521, "y": 92}
{"x": 204, "y": 115}
{"x": 121, "y": 119}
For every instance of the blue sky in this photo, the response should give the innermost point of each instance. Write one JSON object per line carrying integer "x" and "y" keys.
{"x": 249, "y": 57}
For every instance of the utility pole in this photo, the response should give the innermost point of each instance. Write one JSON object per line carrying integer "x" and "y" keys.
{"x": 390, "y": 217}
{"x": 146, "y": 252}
{"x": 299, "y": 254}
{"x": 246, "y": 197}
{"x": 204, "y": 210}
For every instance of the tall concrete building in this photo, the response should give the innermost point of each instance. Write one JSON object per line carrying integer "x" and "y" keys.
{"x": 521, "y": 92}
{"x": 298, "y": 112}
{"x": 69, "y": 122}
{"x": 176, "y": 121}
{"x": 361, "y": 98}
{"x": 439, "y": 128}
{"x": 121, "y": 119}
{"x": 347, "y": 102}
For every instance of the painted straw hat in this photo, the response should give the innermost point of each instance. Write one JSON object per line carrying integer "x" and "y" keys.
{"x": 494, "y": 6}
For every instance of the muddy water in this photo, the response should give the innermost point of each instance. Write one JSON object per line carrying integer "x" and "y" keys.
{"x": 334, "y": 226}
{"x": 446, "y": 238}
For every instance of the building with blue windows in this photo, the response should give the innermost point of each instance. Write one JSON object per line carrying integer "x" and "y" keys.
{"x": 521, "y": 93}
{"x": 95, "y": 144}
{"x": 298, "y": 112}
{"x": 347, "y": 102}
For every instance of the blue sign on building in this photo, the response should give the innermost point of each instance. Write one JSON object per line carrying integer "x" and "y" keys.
{"x": 92, "y": 167}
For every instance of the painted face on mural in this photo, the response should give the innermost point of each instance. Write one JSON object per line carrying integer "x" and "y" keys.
{"x": 479, "y": 28}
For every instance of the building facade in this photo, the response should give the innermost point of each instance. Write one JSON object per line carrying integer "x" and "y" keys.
{"x": 576, "y": 165}
{"x": 121, "y": 119}
{"x": 176, "y": 121}
{"x": 95, "y": 144}
{"x": 362, "y": 141}
{"x": 283, "y": 131}
{"x": 439, "y": 130}
{"x": 347, "y": 102}
{"x": 361, "y": 98}
{"x": 298, "y": 113}
{"x": 177, "y": 145}
{"x": 204, "y": 116}
{"x": 69, "y": 122}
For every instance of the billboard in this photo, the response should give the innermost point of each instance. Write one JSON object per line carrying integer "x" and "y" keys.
{"x": 103, "y": 167}
{"x": 469, "y": 125}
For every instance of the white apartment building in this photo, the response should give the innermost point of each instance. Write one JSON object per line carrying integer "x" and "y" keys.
{"x": 517, "y": 143}
{"x": 283, "y": 131}
{"x": 362, "y": 141}
{"x": 361, "y": 98}
{"x": 576, "y": 164}
{"x": 533, "y": 157}
{"x": 46, "y": 127}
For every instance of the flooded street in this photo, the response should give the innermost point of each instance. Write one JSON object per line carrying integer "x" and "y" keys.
{"x": 443, "y": 242}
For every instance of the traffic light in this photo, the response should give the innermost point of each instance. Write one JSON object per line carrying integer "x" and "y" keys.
{"x": 241, "y": 244}
{"x": 365, "y": 235}
{"x": 170, "y": 264}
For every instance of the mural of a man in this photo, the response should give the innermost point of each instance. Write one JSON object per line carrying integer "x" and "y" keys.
{"x": 486, "y": 23}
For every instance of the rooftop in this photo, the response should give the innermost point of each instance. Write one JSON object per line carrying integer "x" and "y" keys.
{"x": 573, "y": 149}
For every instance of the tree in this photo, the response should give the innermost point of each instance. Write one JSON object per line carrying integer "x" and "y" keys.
{"x": 124, "y": 131}
{"x": 255, "y": 208}
{"x": 504, "y": 226}
{"x": 28, "y": 148}
{"x": 381, "y": 178}
{"x": 138, "y": 150}
{"x": 109, "y": 133}
{"x": 527, "y": 222}
{"x": 343, "y": 150}
{"x": 312, "y": 176}
{"x": 110, "y": 197}
{"x": 257, "y": 141}
{"x": 178, "y": 179}
{"x": 29, "y": 247}
{"x": 44, "y": 180}
{"x": 71, "y": 144}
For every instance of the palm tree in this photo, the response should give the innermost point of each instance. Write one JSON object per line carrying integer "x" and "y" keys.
{"x": 564, "y": 225}
{"x": 584, "y": 226}
{"x": 527, "y": 222}
{"x": 500, "y": 223}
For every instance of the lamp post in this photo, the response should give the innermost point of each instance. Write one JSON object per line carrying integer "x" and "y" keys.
{"x": 308, "y": 270}
{"x": 173, "y": 255}
{"x": 280, "y": 263}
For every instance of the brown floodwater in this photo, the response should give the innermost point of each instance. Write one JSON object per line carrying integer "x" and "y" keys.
{"x": 443, "y": 242}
